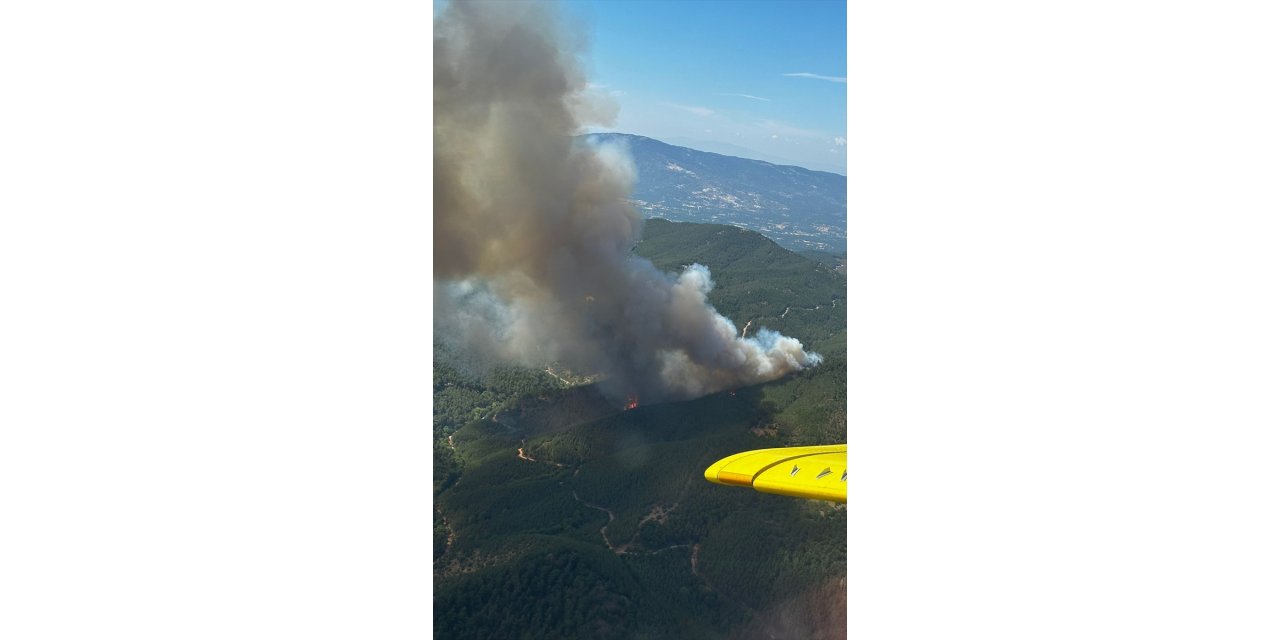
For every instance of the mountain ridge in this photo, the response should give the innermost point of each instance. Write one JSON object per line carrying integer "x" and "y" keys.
{"x": 678, "y": 143}
{"x": 801, "y": 209}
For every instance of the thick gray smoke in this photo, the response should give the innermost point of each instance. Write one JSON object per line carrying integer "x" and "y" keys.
{"x": 533, "y": 231}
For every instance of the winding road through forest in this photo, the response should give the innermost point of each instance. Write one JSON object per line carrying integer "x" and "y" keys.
{"x": 656, "y": 514}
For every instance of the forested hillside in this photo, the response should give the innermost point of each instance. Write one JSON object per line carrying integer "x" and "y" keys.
{"x": 561, "y": 515}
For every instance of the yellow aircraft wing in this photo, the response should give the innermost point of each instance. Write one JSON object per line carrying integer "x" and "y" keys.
{"x": 803, "y": 472}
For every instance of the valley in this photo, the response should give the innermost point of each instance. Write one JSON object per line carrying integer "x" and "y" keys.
{"x": 559, "y": 514}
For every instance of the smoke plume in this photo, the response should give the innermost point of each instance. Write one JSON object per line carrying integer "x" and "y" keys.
{"x": 533, "y": 229}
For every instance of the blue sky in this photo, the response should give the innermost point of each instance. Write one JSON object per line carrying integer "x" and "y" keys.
{"x": 713, "y": 74}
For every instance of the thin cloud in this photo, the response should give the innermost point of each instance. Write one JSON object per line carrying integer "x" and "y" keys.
{"x": 596, "y": 86}
{"x": 814, "y": 76}
{"x": 697, "y": 111}
{"x": 744, "y": 95}
{"x": 792, "y": 132}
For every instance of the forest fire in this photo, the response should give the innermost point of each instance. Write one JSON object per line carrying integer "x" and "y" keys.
{"x": 632, "y": 403}
{"x": 531, "y": 221}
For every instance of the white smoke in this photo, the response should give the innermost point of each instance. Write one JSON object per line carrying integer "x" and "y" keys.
{"x": 533, "y": 232}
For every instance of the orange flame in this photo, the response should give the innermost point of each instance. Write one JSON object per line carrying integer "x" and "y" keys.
{"x": 632, "y": 402}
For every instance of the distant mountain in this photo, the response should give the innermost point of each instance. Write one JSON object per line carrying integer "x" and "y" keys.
{"x": 726, "y": 149}
{"x": 797, "y": 208}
